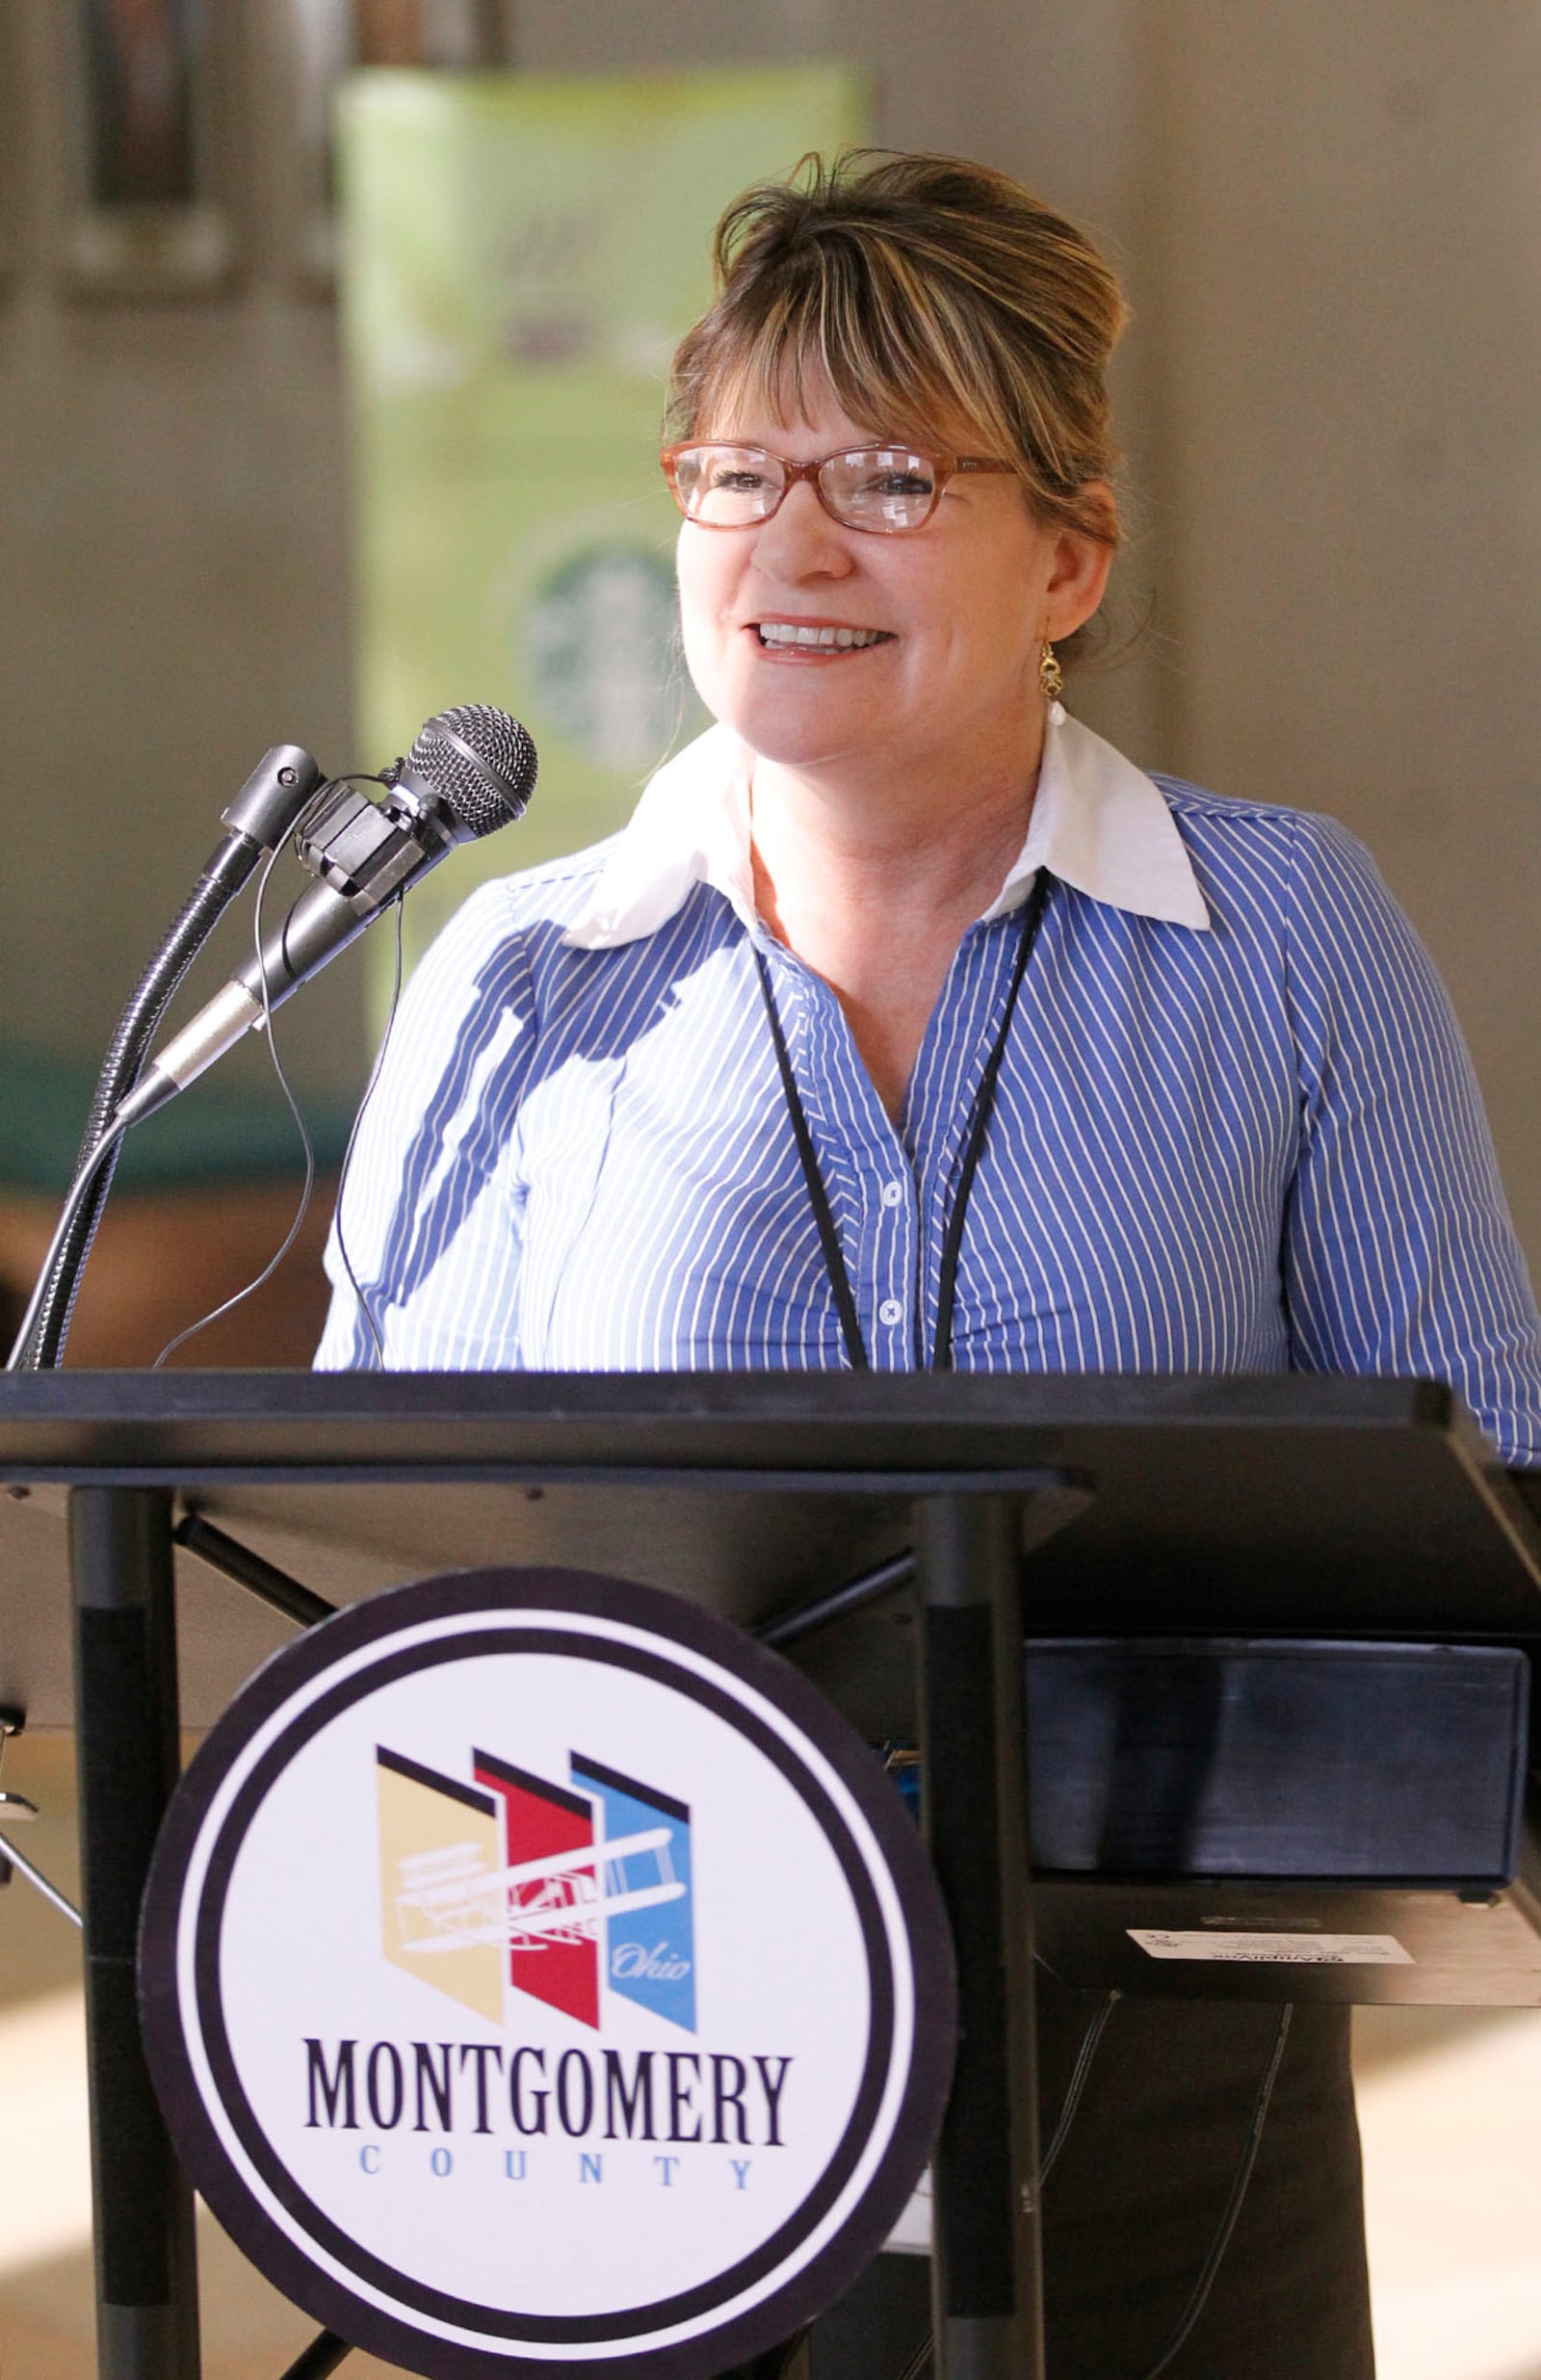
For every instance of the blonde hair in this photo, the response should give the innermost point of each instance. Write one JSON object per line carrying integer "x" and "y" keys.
{"x": 935, "y": 296}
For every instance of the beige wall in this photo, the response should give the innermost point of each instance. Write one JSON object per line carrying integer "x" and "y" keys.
{"x": 173, "y": 554}
{"x": 1329, "y": 221}
{"x": 1344, "y": 224}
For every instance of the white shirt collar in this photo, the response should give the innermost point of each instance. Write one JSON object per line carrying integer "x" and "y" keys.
{"x": 1098, "y": 822}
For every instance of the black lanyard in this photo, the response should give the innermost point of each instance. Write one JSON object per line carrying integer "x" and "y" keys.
{"x": 979, "y": 1125}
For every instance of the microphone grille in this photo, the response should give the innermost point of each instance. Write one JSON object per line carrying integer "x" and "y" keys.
{"x": 480, "y": 762}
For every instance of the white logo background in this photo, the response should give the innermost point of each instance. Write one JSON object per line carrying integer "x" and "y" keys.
{"x": 504, "y": 2220}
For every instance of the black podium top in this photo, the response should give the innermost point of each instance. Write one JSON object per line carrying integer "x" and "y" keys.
{"x": 1289, "y": 1503}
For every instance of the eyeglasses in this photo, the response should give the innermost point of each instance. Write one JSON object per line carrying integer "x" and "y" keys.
{"x": 883, "y": 488}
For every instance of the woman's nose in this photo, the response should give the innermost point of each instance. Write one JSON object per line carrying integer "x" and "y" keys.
{"x": 801, "y": 540}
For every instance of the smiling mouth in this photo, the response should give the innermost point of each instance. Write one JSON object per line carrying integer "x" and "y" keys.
{"x": 785, "y": 636}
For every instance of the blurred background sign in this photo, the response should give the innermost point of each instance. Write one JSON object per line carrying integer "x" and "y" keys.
{"x": 520, "y": 254}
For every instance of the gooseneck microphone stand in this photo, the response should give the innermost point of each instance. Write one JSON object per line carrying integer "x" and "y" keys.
{"x": 470, "y": 772}
{"x": 263, "y": 811}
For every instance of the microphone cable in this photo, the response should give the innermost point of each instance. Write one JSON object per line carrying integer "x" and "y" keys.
{"x": 1075, "y": 2088}
{"x": 376, "y": 1336}
{"x": 307, "y": 1189}
{"x": 301, "y": 1126}
{"x": 306, "y": 1143}
{"x": 923, "y": 2361}
{"x": 1222, "y": 2241}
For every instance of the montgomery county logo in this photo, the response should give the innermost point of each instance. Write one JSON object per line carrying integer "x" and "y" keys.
{"x": 680, "y": 2017}
{"x": 559, "y": 1892}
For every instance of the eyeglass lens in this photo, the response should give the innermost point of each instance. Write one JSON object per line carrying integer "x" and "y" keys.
{"x": 883, "y": 488}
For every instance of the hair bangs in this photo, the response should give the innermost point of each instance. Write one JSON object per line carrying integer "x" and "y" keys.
{"x": 848, "y": 328}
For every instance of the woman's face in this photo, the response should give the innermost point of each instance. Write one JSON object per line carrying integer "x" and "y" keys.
{"x": 959, "y": 608}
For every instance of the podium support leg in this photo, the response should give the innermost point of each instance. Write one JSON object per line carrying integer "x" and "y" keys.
{"x": 987, "y": 2269}
{"x": 128, "y": 1758}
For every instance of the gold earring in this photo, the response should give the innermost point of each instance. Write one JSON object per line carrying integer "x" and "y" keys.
{"x": 1051, "y": 677}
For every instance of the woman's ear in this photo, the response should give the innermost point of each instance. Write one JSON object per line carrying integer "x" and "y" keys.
{"x": 1079, "y": 578}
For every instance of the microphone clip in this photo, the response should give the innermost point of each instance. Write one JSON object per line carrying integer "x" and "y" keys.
{"x": 367, "y": 850}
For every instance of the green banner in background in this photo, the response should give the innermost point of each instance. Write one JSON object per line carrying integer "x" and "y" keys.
{"x": 521, "y": 254}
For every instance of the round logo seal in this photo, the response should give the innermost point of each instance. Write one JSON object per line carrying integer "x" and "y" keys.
{"x": 538, "y": 1972}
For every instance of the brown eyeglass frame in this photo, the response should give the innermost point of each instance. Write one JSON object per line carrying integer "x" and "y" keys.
{"x": 944, "y": 468}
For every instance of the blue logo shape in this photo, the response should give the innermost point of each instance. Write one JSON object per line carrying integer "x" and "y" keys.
{"x": 650, "y": 1949}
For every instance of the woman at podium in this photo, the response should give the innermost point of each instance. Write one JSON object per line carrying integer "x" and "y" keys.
{"x": 909, "y": 1025}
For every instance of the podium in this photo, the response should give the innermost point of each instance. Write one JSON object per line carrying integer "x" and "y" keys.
{"x": 897, "y": 1537}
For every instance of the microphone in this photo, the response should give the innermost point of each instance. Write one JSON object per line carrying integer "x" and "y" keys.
{"x": 470, "y": 772}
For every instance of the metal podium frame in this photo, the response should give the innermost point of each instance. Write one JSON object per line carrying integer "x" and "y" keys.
{"x": 987, "y": 1468}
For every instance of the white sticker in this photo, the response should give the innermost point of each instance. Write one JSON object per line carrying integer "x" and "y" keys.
{"x": 1275, "y": 1950}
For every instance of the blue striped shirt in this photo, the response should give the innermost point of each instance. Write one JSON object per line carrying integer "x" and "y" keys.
{"x": 1236, "y": 1128}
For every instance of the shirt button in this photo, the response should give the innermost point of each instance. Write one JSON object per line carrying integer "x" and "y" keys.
{"x": 893, "y": 1192}
{"x": 890, "y": 1311}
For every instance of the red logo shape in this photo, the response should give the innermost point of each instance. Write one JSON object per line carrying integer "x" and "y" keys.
{"x": 554, "y": 1948}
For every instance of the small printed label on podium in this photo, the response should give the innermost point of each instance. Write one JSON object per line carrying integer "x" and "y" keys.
{"x": 538, "y": 1973}
{"x": 1266, "y": 1950}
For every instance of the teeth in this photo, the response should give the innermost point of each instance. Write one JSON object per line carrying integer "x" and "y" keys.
{"x": 842, "y": 639}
